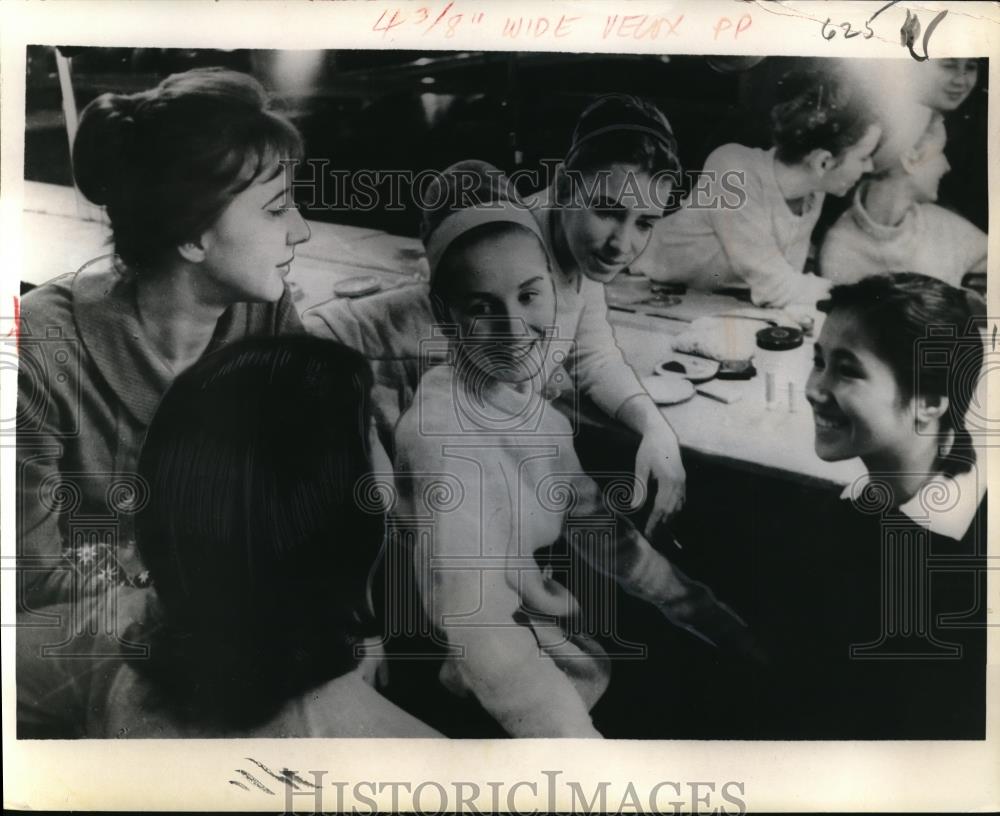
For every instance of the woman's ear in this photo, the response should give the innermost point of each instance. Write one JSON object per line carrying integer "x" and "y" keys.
{"x": 910, "y": 160}
{"x": 820, "y": 161}
{"x": 930, "y": 408}
{"x": 192, "y": 251}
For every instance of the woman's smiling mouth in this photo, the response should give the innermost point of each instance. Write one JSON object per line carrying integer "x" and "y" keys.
{"x": 828, "y": 421}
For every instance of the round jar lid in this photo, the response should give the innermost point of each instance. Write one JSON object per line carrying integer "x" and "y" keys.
{"x": 779, "y": 338}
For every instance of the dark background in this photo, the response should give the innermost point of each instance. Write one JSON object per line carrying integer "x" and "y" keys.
{"x": 410, "y": 110}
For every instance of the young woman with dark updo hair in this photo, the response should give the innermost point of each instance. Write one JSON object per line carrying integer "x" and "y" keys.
{"x": 748, "y": 222}
{"x": 204, "y": 233}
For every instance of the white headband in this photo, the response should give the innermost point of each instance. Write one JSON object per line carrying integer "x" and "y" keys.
{"x": 461, "y": 221}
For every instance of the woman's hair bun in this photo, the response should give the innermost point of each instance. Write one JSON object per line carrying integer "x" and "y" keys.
{"x": 817, "y": 110}
{"x": 795, "y": 84}
{"x": 103, "y": 143}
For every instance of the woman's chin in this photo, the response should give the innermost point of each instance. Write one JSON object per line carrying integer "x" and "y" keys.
{"x": 830, "y": 450}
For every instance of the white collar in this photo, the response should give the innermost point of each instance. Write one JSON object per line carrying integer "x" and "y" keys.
{"x": 945, "y": 505}
{"x": 880, "y": 232}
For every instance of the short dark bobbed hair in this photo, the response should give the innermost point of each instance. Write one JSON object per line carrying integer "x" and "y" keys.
{"x": 258, "y": 545}
{"x": 928, "y": 332}
{"x": 166, "y": 162}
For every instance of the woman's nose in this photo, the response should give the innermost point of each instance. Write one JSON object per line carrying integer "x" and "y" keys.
{"x": 815, "y": 388}
{"x": 299, "y": 231}
{"x": 618, "y": 239}
{"x": 517, "y": 321}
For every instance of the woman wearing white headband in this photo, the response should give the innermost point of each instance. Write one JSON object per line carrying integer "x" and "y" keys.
{"x": 488, "y": 476}
{"x": 626, "y": 142}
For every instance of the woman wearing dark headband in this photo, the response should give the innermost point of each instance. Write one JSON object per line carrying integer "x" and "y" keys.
{"x": 612, "y": 189}
{"x": 488, "y": 477}
{"x": 597, "y": 218}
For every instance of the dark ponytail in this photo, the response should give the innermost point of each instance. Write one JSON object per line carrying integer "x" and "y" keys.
{"x": 929, "y": 333}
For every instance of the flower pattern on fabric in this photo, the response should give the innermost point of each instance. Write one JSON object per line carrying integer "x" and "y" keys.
{"x": 97, "y": 566}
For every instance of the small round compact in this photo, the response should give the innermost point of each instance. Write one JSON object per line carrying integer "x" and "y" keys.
{"x": 668, "y": 388}
{"x": 357, "y": 287}
{"x": 693, "y": 368}
{"x": 779, "y": 338}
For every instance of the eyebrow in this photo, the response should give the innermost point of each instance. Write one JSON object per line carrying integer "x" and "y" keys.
{"x": 845, "y": 354}
{"x": 606, "y": 203}
{"x": 491, "y": 296}
{"x": 281, "y": 193}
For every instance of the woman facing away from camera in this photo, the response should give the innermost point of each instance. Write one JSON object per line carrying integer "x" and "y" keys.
{"x": 892, "y": 644}
{"x": 260, "y": 553}
{"x": 893, "y": 222}
{"x": 488, "y": 476}
{"x": 204, "y": 234}
{"x": 628, "y": 143}
{"x": 749, "y": 220}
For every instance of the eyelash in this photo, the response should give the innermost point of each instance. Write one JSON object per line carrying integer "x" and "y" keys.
{"x": 844, "y": 371}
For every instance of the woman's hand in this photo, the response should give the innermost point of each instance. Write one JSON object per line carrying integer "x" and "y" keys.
{"x": 659, "y": 457}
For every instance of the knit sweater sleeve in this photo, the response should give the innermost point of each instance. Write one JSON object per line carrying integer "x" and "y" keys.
{"x": 597, "y": 361}
{"x": 961, "y": 237}
{"x": 746, "y": 233}
{"x": 626, "y": 556}
{"x": 846, "y": 255}
{"x": 47, "y": 577}
{"x": 469, "y": 570}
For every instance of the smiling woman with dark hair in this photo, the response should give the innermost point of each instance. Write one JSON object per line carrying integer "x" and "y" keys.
{"x": 887, "y": 616}
{"x": 489, "y": 479}
{"x": 875, "y": 396}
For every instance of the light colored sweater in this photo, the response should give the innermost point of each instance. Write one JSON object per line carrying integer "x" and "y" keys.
{"x": 346, "y": 706}
{"x": 397, "y": 331}
{"x": 736, "y": 229}
{"x": 596, "y": 362}
{"x": 89, "y": 382}
{"x": 487, "y": 476}
{"x": 73, "y": 681}
{"x": 930, "y": 240}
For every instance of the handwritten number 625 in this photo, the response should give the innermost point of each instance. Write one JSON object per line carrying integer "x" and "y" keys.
{"x": 829, "y": 31}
